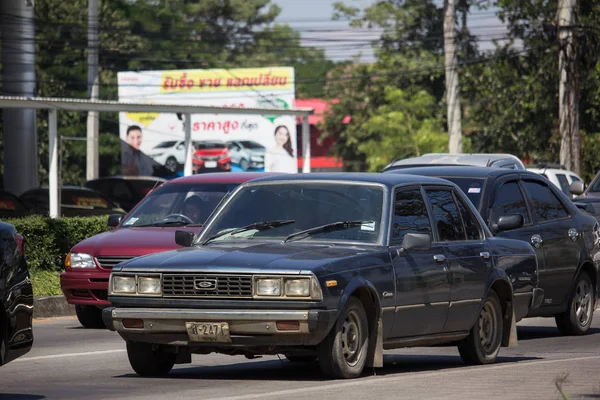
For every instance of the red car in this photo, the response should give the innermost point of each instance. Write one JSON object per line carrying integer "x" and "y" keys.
{"x": 211, "y": 156}
{"x": 182, "y": 203}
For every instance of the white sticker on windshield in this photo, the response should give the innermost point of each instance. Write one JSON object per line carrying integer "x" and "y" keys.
{"x": 474, "y": 190}
{"x": 368, "y": 226}
{"x": 131, "y": 221}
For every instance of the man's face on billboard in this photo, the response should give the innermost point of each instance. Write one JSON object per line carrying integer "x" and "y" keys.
{"x": 134, "y": 138}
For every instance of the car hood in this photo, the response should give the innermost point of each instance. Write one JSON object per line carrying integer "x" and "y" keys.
{"x": 272, "y": 257}
{"x": 131, "y": 241}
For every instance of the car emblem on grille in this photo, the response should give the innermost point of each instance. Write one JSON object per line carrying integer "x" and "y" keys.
{"x": 205, "y": 284}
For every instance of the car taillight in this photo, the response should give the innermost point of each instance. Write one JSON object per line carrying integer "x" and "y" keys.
{"x": 20, "y": 243}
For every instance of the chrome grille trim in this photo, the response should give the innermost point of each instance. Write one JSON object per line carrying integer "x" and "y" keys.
{"x": 227, "y": 286}
{"x": 109, "y": 262}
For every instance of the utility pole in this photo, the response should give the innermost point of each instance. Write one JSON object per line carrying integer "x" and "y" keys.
{"x": 18, "y": 79}
{"x": 568, "y": 90}
{"x": 93, "y": 91}
{"x": 452, "y": 88}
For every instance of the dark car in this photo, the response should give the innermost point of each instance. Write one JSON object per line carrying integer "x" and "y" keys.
{"x": 526, "y": 206}
{"x": 126, "y": 191}
{"x": 472, "y": 159}
{"x": 11, "y": 206}
{"x": 16, "y": 296}
{"x": 148, "y": 228}
{"x": 334, "y": 267}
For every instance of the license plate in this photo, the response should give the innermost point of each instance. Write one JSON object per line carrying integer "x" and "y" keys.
{"x": 208, "y": 331}
{"x": 210, "y": 164}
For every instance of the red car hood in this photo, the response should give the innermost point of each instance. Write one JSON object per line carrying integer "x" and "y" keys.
{"x": 131, "y": 241}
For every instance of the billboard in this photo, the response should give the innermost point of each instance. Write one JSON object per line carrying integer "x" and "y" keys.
{"x": 153, "y": 143}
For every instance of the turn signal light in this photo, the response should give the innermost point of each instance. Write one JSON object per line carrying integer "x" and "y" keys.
{"x": 288, "y": 325}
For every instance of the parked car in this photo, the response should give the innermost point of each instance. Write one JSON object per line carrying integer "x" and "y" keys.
{"x": 334, "y": 267}
{"x": 11, "y": 206}
{"x": 148, "y": 228}
{"x": 126, "y": 191}
{"x": 526, "y": 206}
{"x": 472, "y": 159}
{"x": 16, "y": 296}
{"x": 558, "y": 175}
{"x": 247, "y": 154}
{"x": 75, "y": 201}
{"x": 170, "y": 154}
{"x": 211, "y": 156}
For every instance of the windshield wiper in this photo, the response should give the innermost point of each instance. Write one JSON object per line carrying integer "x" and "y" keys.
{"x": 257, "y": 225}
{"x": 334, "y": 226}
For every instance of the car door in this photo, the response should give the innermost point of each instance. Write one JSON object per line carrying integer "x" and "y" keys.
{"x": 467, "y": 255}
{"x": 422, "y": 288}
{"x": 559, "y": 237}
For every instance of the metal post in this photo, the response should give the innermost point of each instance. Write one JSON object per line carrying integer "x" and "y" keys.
{"x": 93, "y": 91}
{"x": 305, "y": 145}
{"x": 53, "y": 164}
{"x": 187, "y": 166}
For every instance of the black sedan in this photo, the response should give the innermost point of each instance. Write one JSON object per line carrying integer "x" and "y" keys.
{"x": 526, "y": 206}
{"x": 75, "y": 201}
{"x": 334, "y": 267}
{"x": 16, "y": 296}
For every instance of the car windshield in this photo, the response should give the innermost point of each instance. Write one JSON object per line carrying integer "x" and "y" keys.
{"x": 209, "y": 145}
{"x": 473, "y": 187}
{"x": 178, "y": 204}
{"x": 595, "y": 185}
{"x": 251, "y": 145}
{"x": 165, "y": 145}
{"x": 307, "y": 205}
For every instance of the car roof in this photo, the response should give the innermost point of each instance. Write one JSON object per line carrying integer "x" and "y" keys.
{"x": 65, "y": 187}
{"x": 473, "y": 159}
{"x": 130, "y": 177}
{"x": 366, "y": 177}
{"x": 220, "y": 177}
{"x": 459, "y": 171}
{"x": 555, "y": 170}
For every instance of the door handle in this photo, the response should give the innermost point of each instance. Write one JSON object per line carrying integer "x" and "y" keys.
{"x": 536, "y": 240}
{"x": 573, "y": 234}
{"x": 439, "y": 258}
{"x": 485, "y": 255}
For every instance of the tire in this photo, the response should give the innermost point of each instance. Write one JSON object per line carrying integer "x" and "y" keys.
{"x": 171, "y": 164}
{"x": 581, "y": 301}
{"x": 244, "y": 164}
{"x": 90, "y": 317}
{"x": 147, "y": 361}
{"x": 483, "y": 343}
{"x": 343, "y": 353}
{"x": 302, "y": 359}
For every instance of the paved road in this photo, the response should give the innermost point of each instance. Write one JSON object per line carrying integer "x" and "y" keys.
{"x": 68, "y": 362}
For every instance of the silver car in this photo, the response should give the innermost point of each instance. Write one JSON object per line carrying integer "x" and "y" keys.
{"x": 247, "y": 154}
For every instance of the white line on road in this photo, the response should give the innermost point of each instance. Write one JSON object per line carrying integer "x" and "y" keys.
{"x": 89, "y": 353}
{"x": 400, "y": 377}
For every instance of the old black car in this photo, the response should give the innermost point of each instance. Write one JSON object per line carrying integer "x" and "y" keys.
{"x": 16, "y": 296}
{"x": 526, "y": 206}
{"x": 334, "y": 267}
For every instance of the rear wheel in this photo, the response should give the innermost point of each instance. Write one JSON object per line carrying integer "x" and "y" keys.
{"x": 342, "y": 354}
{"x": 483, "y": 343}
{"x": 577, "y": 319}
{"x": 90, "y": 317}
{"x": 148, "y": 361}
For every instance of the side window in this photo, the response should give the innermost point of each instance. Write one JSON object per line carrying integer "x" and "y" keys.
{"x": 509, "y": 200}
{"x": 445, "y": 215}
{"x": 472, "y": 227}
{"x": 547, "y": 206}
{"x": 574, "y": 178}
{"x": 564, "y": 183}
{"x": 410, "y": 215}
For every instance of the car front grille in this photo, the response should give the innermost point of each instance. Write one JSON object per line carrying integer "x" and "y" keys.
{"x": 207, "y": 286}
{"x": 109, "y": 262}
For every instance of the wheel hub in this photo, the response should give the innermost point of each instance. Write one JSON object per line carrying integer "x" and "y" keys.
{"x": 351, "y": 335}
{"x": 487, "y": 327}
{"x": 583, "y": 303}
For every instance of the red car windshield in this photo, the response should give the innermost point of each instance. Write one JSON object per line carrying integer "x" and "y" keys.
{"x": 178, "y": 204}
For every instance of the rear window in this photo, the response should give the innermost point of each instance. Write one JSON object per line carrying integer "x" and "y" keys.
{"x": 209, "y": 145}
{"x": 473, "y": 187}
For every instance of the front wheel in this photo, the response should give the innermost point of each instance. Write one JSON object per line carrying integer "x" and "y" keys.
{"x": 342, "y": 354}
{"x": 148, "y": 361}
{"x": 483, "y": 343}
{"x": 90, "y": 317}
{"x": 577, "y": 319}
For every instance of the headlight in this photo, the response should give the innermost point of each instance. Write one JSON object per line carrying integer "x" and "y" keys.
{"x": 80, "y": 260}
{"x": 257, "y": 158}
{"x": 149, "y": 285}
{"x": 123, "y": 284}
{"x": 268, "y": 287}
{"x": 297, "y": 287}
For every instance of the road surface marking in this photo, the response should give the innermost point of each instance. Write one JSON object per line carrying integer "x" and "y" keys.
{"x": 89, "y": 353}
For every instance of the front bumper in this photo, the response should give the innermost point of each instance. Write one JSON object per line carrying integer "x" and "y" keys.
{"x": 248, "y": 328}
{"x": 85, "y": 287}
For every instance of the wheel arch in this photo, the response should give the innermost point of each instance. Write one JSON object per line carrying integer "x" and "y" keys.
{"x": 503, "y": 289}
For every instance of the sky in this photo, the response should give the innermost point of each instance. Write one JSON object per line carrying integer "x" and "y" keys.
{"x": 313, "y": 19}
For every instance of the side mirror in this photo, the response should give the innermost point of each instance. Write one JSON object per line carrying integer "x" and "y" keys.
{"x": 114, "y": 220}
{"x": 576, "y": 188}
{"x": 184, "y": 238}
{"x": 416, "y": 241}
{"x": 509, "y": 222}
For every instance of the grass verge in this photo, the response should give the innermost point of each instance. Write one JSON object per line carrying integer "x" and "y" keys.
{"x": 45, "y": 283}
